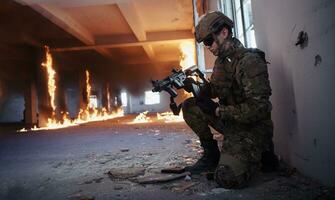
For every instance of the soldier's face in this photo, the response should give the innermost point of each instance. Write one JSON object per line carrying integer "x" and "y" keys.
{"x": 214, "y": 48}
{"x": 217, "y": 41}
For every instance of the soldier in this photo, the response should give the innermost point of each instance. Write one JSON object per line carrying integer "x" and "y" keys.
{"x": 243, "y": 113}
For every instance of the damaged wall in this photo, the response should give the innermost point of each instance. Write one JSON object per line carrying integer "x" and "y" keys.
{"x": 302, "y": 79}
{"x": 16, "y": 72}
{"x": 12, "y": 107}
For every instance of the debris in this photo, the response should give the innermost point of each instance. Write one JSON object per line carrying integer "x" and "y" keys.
{"x": 124, "y": 150}
{"x": 126, "y": 173}
{"x": 187, "y": 178}
{"x": 80, "y": 197}
{"x": 118, "y": 187}
{"x": 104, "y": 161}
{"x": 188, "y": 141}
{"x": 57, "y": 165}
{"x": 219, "y": 190}
{"x": 173, "y": 170}
{"x": 160, "y": 178}
{"x": 96, "y": 180}
{"x": 202, "y": 194}
{"x": 184, "y": 187}
{"x": 160, "y": 138}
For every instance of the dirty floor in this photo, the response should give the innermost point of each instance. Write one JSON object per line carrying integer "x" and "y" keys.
{"x": 103, "y": 160}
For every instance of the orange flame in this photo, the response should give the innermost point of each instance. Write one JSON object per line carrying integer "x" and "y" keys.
{"x": 187, "y": 50}
{"x": 169, "y": 117}
{"x": 187, "y": 59}
{"x": 141, "y": 118}
{"x": 166, "y": 117}
{"x": 88, "y": 88}
{"x": 89, "y": 114}
{"x": 51, "y": 77}
{"x": 108, "y": 98}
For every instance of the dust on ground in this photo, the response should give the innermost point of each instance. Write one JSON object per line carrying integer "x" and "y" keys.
{"x": 102, "y": 160}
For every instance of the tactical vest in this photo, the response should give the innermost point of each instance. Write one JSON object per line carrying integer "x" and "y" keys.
{"x": 225, "y": 79}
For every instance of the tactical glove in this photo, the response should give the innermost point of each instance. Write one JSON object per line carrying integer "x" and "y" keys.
{"x": 188, "y": 84}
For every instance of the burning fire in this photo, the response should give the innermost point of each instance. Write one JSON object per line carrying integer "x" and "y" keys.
{"x": 141, "y": 118}
{"x": 187, "y": 59}
{"x": 51, "y": 78}
{"x": 169, "y": 117}
{"x": 108, "y": 98}
{"x": 89, "y": 114}
{"x": 187, "y": 49}
{"x": 88, "y": 88}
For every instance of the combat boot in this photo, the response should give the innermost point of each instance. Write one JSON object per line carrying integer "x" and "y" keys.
{"x": 209, "y": 160}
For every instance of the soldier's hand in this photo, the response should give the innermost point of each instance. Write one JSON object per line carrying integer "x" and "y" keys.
{"x": 173, "y": 106}
{"x": 188, "y": 84}
{"x": 207, "y": 105}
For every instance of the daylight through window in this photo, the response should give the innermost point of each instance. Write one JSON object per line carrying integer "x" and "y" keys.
{"x": 241, "y": 13}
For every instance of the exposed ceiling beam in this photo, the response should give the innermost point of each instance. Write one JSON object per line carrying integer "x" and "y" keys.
{"x": 67, "y": 23}
{"x": 149, "y": 51}
{"x": 117, "y": 41}
{"x": 134, "y": 21}
{"x": 73, "y": 3}
{"x": 157, "y": 60}
{"x": 151, "y": 36}
{"x": 118, "y": 45}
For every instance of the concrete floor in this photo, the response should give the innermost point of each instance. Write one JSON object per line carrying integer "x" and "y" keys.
{"x": 72, "y": 163}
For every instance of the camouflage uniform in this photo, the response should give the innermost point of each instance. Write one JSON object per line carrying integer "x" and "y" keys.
{"x": 240, "y": 81}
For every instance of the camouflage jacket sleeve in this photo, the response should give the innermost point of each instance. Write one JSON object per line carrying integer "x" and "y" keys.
{"x": 207, "y": 90}
{"x": 252, "y": 75}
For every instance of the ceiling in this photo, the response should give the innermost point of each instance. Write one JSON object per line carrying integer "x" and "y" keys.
{"x": 125, "y": 31}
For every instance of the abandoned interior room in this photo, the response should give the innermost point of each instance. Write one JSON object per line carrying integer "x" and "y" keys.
{"x": 83, "y": 117}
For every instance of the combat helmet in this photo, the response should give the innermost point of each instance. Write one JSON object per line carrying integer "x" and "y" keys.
{"x": 211, "y": 23}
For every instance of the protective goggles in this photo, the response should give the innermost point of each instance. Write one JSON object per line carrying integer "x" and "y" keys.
{"x": 208, "y": 41}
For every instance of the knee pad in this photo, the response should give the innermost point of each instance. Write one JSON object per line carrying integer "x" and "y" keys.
{"x": 231, "y": 172}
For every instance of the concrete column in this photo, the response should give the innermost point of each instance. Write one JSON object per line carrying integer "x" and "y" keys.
{"x": 129, "y": 103}
{"x": 30, "y": 98}
{"x": 205, "y": 59}
{"x": 199, "y": 49}
{"x": 104, "y": 99}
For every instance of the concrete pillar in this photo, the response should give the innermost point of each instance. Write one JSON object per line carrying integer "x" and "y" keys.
{"x": 104, "y": 99}
{"x": 205, "y": 59}
{"x": 129, "y": 103}
{"x": 199, "y": 49}
{"x": 30, "y": 98}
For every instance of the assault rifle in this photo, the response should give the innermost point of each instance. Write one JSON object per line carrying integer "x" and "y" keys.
{"x": 177, "y": 80}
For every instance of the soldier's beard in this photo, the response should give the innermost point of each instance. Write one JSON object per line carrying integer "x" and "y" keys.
{"x": 226, "y": 47}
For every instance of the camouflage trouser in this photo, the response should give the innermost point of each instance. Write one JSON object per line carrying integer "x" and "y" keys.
{"x": 242, "y": 145}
